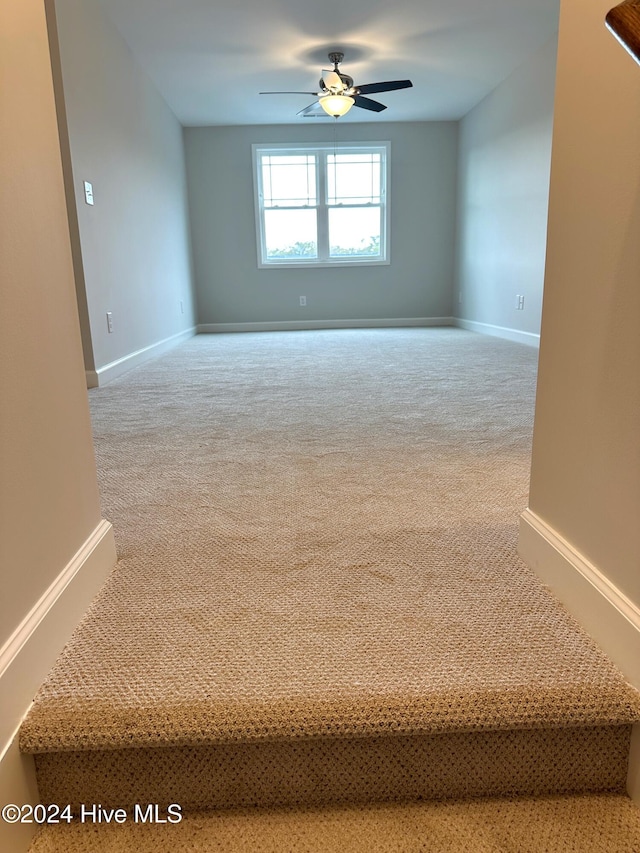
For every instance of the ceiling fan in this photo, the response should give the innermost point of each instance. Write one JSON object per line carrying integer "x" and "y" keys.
{"x": 338, "y": 94}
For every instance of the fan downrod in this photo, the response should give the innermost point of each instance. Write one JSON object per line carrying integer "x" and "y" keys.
{"x": 336, "y": 57}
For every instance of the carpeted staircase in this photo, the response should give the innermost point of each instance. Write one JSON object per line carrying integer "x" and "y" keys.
{"x": 319, "y": 635}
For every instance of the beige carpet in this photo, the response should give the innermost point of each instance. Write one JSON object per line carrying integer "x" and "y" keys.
{"x": 317, "y": 539}
{"x": 320, "y": 771}
{"x": 590, "y": 824}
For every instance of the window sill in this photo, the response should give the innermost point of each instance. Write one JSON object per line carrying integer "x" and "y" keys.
{"x": 280, "y": 265}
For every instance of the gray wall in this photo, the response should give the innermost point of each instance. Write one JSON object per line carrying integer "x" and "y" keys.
{"x": 131, "y": 249}
{"x": 231, "y": 289}
{"x": 503, "y": 180}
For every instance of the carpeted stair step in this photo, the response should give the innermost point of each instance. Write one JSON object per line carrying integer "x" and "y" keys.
{"x": 569, "y": 824}
{"x": 452, "y": 744}
{"x": 193, "y": 698}
{"x": 321, "y": 771}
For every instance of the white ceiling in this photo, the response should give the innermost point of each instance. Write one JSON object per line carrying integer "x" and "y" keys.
{"x": 210, "y": 58}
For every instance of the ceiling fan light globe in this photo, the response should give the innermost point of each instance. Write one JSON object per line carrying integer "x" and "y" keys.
{"x": 336, "y": 105}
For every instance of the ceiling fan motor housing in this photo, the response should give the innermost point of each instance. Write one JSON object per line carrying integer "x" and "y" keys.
{"x": 336, "y": 57}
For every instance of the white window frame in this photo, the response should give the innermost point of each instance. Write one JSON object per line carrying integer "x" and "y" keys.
{"x": 321, "y": 150}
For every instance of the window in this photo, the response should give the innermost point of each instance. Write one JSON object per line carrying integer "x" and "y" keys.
{"x": 320, "y": 205}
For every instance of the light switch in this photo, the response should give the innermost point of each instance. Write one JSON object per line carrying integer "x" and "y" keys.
{"x": 88, "y": 192}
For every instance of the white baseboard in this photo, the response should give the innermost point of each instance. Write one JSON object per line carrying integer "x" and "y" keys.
{"x": 612, "y": 619}
{"x": 28, "y": 655}
{"x": 498, "y": 332}
{"x": 302, "y": 325}
{"x": 110, "y": 371}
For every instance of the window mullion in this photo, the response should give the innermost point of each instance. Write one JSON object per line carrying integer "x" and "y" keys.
{"x": 323, "y": 215}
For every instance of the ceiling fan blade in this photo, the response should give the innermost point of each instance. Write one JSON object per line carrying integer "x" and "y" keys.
{"x": 368, "y": 104}
{"x": 332, "y": 80}
{"x": 314, "y": 110}
{"x": 388, "y": 86}
{"x": 287, "y": 93}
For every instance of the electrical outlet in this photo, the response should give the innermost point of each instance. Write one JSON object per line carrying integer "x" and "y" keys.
{"x": 519, "y": 302}
{"x": 88, "y": 192}
{"x": 181, "y": 307}
{"x": 303, "y": 301}
{"x": 109, "y": 322}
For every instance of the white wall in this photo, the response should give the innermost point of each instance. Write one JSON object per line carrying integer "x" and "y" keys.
{"x": 503, "y": 185}
{"x": 585, "y": 479}
{"x": 49, "y": 493}
{"x": 230, "y": 287}
{"x": 132, "y": 247}
{"x": 581, "y": 531}
{"x": 49, "y": 505}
